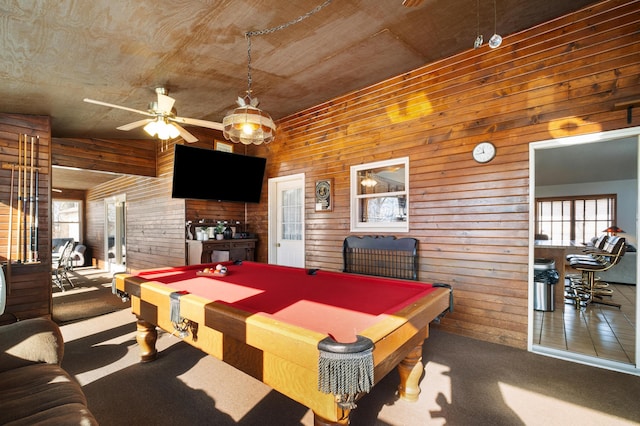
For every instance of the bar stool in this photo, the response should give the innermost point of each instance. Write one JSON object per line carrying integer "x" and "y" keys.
{"x": 588, "y": 289}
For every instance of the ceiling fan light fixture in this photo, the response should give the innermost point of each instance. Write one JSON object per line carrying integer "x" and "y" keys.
{"x": 151, "y": 128}
{"x": 162, "y": 129}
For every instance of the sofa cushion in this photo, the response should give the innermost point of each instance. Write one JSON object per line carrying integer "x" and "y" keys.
{"x": 42, "y": 394}
{"x": 30, "y": 341}
{"x": 69, "y": 414}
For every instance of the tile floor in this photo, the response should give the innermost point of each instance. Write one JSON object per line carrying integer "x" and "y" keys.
{"x": 595, "y": 330}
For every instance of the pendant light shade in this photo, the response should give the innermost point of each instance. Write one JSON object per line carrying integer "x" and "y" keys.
{"x": 248, "y": 124}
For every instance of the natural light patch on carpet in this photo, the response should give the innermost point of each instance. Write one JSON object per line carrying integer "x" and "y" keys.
{"x": 528, "y": 404}
{"x": 431, "y": 409}
{"x": 75, "y": 290}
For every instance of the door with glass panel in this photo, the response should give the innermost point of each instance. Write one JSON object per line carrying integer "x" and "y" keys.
{"x": 115, "y": 235}
{"x": 286, "y": 211}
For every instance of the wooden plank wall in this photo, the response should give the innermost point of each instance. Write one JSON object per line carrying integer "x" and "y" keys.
{"x": 558, "y": 79}
{"x": 29, "y": 283}
{"x": 109, "y": 155}
{"x": 155, "y": 222}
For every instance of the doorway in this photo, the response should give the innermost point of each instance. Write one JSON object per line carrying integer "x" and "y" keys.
{"x": 287, "y": 221}
{"x": 115, "y": 237}
{"x": 594, "y": 164}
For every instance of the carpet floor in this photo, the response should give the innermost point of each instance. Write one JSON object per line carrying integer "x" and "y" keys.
{"x": 90, "y": 296}
{"x": 465, "y": 382}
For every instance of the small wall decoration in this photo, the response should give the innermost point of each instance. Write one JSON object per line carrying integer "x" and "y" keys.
{"x": 222, "y": 146}
{"x": 324, "y": 195}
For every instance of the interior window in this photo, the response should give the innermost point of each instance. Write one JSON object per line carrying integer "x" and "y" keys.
{"x": 380, "y": 196}
{"x": 66, "y": 219}
{"x": 575, "y": 218}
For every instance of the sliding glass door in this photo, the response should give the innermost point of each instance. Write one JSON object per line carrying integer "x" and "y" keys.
{"x": 115, "y": 234}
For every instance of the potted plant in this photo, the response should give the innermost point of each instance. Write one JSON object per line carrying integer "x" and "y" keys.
{"x": 219, "y": 231}
{"x": 204, "y": 235}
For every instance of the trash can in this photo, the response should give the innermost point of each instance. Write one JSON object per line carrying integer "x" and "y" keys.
{"x": 545, "y": 278}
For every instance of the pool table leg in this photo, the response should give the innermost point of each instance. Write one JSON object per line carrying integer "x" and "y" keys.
{"x": 146, "y": 338}
{"x": 320, "y": 421}
{"x": 410, "y": 370}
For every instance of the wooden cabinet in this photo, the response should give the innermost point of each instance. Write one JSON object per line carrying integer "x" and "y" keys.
{"x": 234, "y": 249}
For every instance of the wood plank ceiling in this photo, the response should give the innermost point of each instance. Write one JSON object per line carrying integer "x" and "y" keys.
{"x": 57, "y": 53}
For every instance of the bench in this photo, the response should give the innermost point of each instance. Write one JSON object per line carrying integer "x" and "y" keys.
{"x": 388, "y": 257}
{"x": 381, "y": 256}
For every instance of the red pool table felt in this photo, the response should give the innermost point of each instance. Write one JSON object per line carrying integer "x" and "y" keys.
{"x": 332, "y": 303}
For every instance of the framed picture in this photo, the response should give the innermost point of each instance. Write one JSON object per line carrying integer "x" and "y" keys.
{"x": 222, "y": 146}
{"x": 324, "y": 195}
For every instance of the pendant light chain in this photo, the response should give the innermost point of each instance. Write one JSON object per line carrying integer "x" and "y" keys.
{"x": 495, "y": 17}
{"x": 248, "y": 64}
{"x": 271, "y": 30}
{"x": 288, "y": 24}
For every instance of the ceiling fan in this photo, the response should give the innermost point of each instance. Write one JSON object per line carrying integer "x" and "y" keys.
{"x": 163, "y": 121}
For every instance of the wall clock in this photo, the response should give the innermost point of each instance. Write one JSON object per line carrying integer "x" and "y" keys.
{"x": 484, "y": 152}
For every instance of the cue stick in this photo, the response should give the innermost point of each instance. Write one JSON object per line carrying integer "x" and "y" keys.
{"x": 36, "y": 225}
{"x": 19, "y": 195}
{"x": 31, "y": 202}
{"x": 24, "y": 202}
{"x": 36, "y": 255}
{"x": 10, "y": 236}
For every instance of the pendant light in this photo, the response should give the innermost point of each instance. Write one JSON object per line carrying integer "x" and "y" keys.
{"x": 496, "y": 40}
{"x": 478, "y": 42}
{"x": 248, "y": 124}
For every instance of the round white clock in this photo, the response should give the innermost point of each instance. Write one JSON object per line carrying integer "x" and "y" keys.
{"x": 484, "y": 152}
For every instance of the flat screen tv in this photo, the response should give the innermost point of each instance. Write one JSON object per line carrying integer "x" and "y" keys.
{"x": 206, "y": 174}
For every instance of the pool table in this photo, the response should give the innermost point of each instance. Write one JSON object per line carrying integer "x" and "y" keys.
{"x": 306, "y": 333}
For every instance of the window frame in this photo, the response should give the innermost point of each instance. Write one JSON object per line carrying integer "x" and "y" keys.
{"x": 80, "y": 222}
{"x": 378, "y": 227}
{"x": 573, "y": 221}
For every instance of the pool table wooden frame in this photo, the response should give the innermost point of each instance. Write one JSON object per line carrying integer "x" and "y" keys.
{"x": 283, "y": 356}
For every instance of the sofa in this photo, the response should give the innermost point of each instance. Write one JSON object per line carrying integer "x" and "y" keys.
{"x": 624, "y": 272}
{"x": 57, "y": 244}
{"x": 34, "y": 389}
{"x": 78, "y": 256}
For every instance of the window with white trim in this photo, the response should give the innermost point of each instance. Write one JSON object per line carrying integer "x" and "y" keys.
{"x": 380, "y": 196}
{"x": 66, "y": 219}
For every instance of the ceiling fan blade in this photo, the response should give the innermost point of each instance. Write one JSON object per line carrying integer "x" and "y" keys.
{"x": 200, "y": 123}
{"x": 135, "y": 124}
{"x": 91, "y": 101}
{"x": 165, "y": 103}
{"x": 185, "y": 135}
